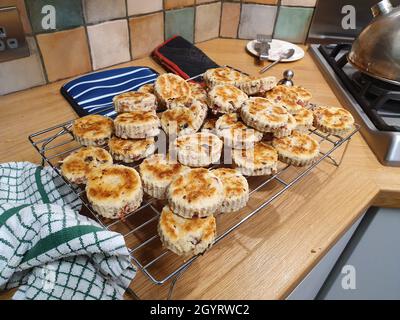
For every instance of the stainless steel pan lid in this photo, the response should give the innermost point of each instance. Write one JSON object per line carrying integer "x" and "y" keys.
{"x": 376, "y": 51}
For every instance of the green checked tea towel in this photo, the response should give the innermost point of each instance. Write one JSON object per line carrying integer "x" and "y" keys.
{"x": 47, "y": 248}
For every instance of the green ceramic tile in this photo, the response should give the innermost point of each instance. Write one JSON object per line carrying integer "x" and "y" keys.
{"x": 68, "y": 14}
{"x": 293, "y": 23}
{"x": 179, "y": 22}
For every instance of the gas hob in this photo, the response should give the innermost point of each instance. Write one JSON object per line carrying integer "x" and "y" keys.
{"x": 375, "y": 104}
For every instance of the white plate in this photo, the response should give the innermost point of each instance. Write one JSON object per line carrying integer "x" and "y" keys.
{"x": 277, "y": 46}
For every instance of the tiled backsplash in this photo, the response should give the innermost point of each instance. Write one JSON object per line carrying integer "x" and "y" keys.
{"x": 94, "y": 34}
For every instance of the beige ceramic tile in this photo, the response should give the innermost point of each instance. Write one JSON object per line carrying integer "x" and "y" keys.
{"x": 109, "y": 43}
{"x": 172, "y": 4}
{"x": 22, "y": 73}
{"x": 207, "y": 21}
{"x": 204, "y": 1}
{"x": 256, "y": 19}
{"x": 65, "y": 53}
{"x": 230, "y": 19}
{"x": 301, "y": 3}
{"x": 147, "y": 32}
{"x": 262, "y": 1}
{"x": 102, "y": 10}
{"x": 144, "y": 6}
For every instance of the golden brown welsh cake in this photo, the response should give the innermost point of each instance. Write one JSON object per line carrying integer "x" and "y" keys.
{"x": 258, "y": 161}
{"x": 286, "y": 129}
{"x": 135, "y": 101}
{"x": 184, "y": 120}
{"x": 236, "y": 189}
{"x": 304, "y": 120}
{"x": 235, "y": 133}
{"x": 257, "y": 86}
{"x": 131, "y": 150}
{"x": 92, "y": 130}
{"x": 333, "y": 120}
{"x": 114, "y": 191}
{"x": 297, "y": 149}
{"x": 198, "y": 149}
{"x": 285, "y": 97}
{"x": 263, "y": 115}
{"x": 147, "y": 88}
{"x": 137, "y": 125}
{"x": 76, "y": 166}
{"x": 195, "y": 193}
{"x": 304, "y": 96}
{"x": 157, "y": 172}
{"x": 186, "y": 237}
{"x": 223, "y": 75}
{"x": 172, "y": 90}
{"x": 198, "y": 92}
{"x": 226, "y": 98}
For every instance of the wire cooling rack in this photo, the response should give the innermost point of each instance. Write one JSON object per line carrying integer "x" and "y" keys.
{"x": 139, "y": 227}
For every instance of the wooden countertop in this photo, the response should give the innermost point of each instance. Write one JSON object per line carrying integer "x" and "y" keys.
{"x": 269, "y": 255}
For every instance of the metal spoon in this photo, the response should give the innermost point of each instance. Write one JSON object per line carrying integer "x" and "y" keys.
{"x": 287, "y": 54}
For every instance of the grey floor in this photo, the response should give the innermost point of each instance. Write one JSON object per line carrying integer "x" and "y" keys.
{"x": 371, "y": 260}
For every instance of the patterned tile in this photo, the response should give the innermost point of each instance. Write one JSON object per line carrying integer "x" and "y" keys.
{"x": 206, "y": 1}
{"x": 147, "y": 32}
{"x": 262, "y": 1}
{"x": 173, "y": 4}
{"x": 230, "y": 19}
{"x": 300, "y": 3}
{"x": 179, "y": 22}
{"x": 102, "y": 10}
{"x": 68, "y": 14}
{"x": 256, "y": 19}
{"x": 144, "y": 6}
{"x": 109, "y": 43}
{"x": 207, "y": 21}
{"x": 65, "y": 53}
{"x": 293, "y": 24}
{"x": 22, "y": 73}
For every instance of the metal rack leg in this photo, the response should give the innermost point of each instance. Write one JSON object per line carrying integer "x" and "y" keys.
{"x": 344, "y": 151}
{"x": 174, "y": 280}
{"x": 333, "y": 160}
